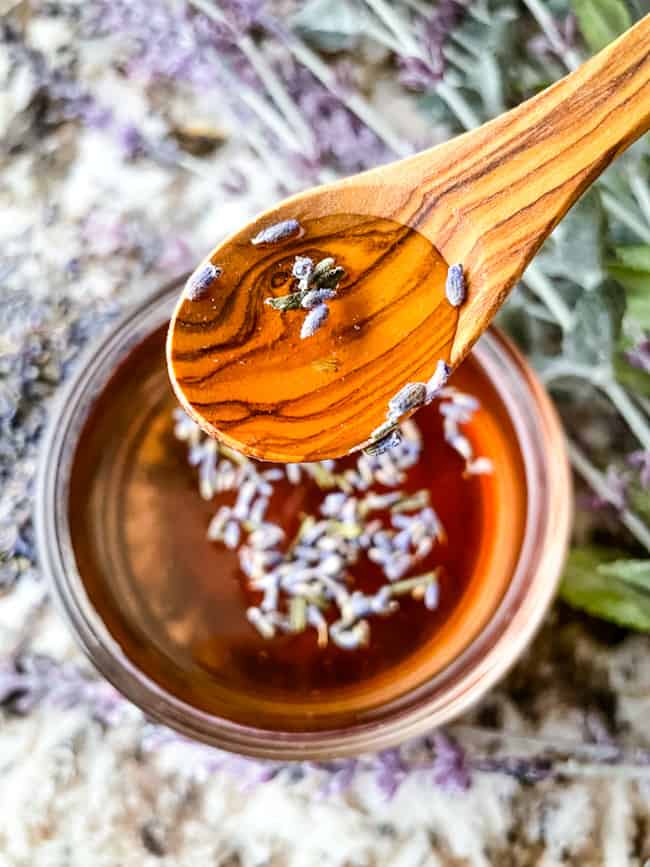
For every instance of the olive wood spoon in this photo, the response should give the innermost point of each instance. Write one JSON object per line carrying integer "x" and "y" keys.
{"x": 487, "y": 199}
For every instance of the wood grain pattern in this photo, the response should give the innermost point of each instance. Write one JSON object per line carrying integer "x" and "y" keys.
{"x": 487, "y": 199}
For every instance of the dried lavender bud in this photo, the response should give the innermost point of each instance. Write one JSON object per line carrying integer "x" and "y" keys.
{"x": 479, "y": 467}
{"x": 323, "y": 267}
{"x": 302, "y": 267}
{"x": 217, "y": 524}
{"x": 384, "y": 428}
{"x": 314, "y": 320}
{"x": 389, "y": 441}
{"x": 466, "y": 401}
{"x": 267, "y": 536}
{"x": 200, "y": 281}
{"x": 261, "y": 622}
{"x": 462, "y": 445}
{"x": 328, "y": 279}
{"x": 455, "y": 288}
{"x": 432, "y": 596}
{"x": 438, "y": 381}
{"x": 413, "y": 394}
{"x": 316, "y": 619}
{"x": 277, "y": 232}
{"x": 315, "y": 297}
{"x": 350, "y": 637}
{"x": 285, "y": 302}
{"x": 231, "y": 534}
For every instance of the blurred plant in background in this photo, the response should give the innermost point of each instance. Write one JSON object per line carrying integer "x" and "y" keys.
{"x": 270, "y": 96}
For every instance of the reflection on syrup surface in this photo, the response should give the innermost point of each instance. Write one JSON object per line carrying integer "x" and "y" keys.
{"x": 176, "y": 602}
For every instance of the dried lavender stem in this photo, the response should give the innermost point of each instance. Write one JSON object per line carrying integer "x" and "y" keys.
{"x": 618, "y": 210}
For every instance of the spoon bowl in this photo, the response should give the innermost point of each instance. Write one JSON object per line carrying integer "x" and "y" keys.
{"x": 487, "y": 200}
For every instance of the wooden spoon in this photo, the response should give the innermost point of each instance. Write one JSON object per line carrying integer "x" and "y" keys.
{"x": 487, "y": 199}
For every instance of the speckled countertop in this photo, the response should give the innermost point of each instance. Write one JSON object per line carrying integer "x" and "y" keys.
{"x": 557, "y": 753}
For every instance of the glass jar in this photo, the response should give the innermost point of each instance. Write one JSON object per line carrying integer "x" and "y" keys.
{"x": 420, "y": 706}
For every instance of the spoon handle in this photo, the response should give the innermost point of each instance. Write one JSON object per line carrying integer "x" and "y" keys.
{"x": 491, "y": 197}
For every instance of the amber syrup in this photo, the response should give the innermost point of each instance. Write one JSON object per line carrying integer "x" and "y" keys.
{"x": 176, "y": 602}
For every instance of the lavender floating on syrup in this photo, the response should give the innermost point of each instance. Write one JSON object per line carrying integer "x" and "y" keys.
{"x": 277, "y": 232}
{"x": 307, "y": 582}
{"x": 385, "y": 441}
{"x": 455, "y": 288}
{"x": 200, "y": 281}
{"x": 316, "y": 284}
{"x": 438, "y": 381}
{"x": 314, "y": 320}
{"x": 458, "y": 408}
{"x": 411, "y": 396}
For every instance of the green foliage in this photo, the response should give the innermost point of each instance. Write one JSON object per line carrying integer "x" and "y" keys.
{"x": 631, "y": 268}
{"x": 598, "y": 581}
{"x": 575, "y": 249}
{"x": 601, "y": 21}
{"x": 598, "y": 317}
{"x": 331, "y": 25}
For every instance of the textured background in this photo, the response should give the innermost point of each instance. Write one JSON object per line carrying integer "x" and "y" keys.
{"x": 94, "y": 213}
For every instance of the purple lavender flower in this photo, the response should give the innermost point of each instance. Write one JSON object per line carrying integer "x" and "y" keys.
{"x": 277, "y": 232}
{"x": 32, "y": 679}
{"x": 450, "y": 769}
{"x": 640, "y": 460}
{"x": 317, "y": 296}
{"x": 617, "y": 485}
{"x": 340, "y": 775}
{"x": 542, "y": 47}
{"x": 639, "y": 356}
{"x": 423, "y": 73}
{"x": 455, "y": 285}
{"x": 391, "y": 772}
{"x": 200, "y": 281}
{"x": 131, "y": 141}
{"x": 314, "y": 320}
{"x": 338, "y": 134}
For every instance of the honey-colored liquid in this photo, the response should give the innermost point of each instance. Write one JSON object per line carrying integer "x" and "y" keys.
{"x": 176, "y": 602}
{"x": 244, "y": 371}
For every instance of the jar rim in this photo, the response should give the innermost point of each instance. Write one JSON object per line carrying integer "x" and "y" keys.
{"x": 459, "y": 685}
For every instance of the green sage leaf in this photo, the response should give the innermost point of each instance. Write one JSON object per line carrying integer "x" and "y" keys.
{"x": 601, "y": 21}
{"x": 574, "y": 250}
{"x": 598, "y": 581}
{"x": 631, "y": 268}
{"x": 598, "y": 317}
